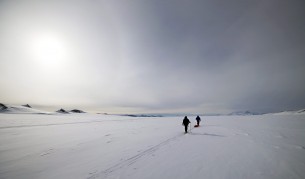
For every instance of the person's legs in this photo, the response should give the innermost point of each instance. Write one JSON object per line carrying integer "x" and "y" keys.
{"x": 185, "y": 128}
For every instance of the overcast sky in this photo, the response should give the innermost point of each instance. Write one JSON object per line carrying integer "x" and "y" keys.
{"x": 120, "y": 56}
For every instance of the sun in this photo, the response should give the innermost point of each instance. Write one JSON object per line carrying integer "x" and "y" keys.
{"x": 48, "y": 49}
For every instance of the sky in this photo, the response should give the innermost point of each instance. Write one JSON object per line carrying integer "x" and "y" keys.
{"x": 158, "y": 56}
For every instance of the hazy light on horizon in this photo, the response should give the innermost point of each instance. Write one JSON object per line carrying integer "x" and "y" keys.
{"x": 154, "y": 56}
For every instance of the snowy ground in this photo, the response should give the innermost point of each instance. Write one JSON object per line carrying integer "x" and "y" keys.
{"x": 95, "y": 146}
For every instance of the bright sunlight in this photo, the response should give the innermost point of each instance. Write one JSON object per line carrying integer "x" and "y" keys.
{"x": 48, "y": 49}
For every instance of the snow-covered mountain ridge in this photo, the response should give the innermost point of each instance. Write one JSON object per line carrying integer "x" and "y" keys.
{"x": 27, "y": 109}
{"x": 23, "y": 109}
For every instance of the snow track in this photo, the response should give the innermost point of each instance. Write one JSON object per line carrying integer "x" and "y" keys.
{"x": 121, "y": 165}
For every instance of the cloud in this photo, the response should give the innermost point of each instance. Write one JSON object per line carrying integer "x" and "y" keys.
{"x": 160, "y": 55}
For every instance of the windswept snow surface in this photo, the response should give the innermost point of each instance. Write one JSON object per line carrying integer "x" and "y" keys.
{"x": 88, "y": 146}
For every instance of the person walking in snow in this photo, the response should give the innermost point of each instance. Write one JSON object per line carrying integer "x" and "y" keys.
{"x": 198, "y": 120}
{"x": 186, "y": 122}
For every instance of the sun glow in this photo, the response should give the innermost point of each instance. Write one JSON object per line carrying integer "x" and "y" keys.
{"x": 48, "y": 49}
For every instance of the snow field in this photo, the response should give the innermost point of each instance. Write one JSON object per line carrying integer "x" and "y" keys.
{"x": 103, "y": 146}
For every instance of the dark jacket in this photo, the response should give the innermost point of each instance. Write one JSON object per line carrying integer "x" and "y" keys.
{"x": 186, "y": 121}
{"x": 198, "y": 118}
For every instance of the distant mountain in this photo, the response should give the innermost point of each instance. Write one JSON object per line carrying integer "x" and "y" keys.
{"x": 62, "y": 111}
{"x": 302, "y": 111}
{"x": 27, "y": 105}
{"x": 159, "y": 115}
{"x": 77, "y": 111}
{"x": 243, "y": 113}
{"x": 141, "y": 115}
{"x": 4, "y": 108}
